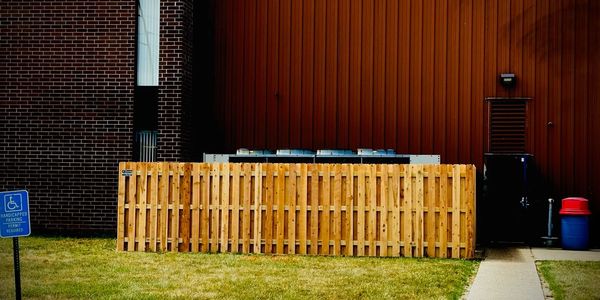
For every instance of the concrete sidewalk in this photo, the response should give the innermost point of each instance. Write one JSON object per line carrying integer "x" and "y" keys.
{"x": 507, "y": 273}
{"x": 510, "y": 273}
{"x": 559, "y": 254}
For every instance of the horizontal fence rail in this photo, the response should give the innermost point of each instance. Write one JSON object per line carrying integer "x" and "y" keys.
{"x": 315, "y": 209}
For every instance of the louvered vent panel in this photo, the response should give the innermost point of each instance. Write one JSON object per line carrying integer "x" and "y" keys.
{"x": 508, "y": 126}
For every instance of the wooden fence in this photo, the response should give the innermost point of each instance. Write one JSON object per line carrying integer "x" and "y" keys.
{"x": 316, "y": 209}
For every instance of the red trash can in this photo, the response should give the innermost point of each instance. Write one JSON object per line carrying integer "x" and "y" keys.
{"x": 575, "y": 223}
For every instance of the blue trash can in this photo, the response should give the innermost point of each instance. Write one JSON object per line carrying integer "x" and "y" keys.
{"x": 575, "y": 223}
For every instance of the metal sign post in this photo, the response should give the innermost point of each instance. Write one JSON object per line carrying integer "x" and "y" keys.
{"x": 17, "y": 268}
{"x": 14, "y": 222}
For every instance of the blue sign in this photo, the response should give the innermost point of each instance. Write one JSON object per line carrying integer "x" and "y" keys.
{"x": 14, "y": 214}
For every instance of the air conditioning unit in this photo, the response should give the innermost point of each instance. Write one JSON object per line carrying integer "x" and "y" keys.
{"x": 361, "y": 156}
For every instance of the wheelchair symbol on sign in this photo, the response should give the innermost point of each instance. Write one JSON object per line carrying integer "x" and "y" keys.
{"x": 11, "y": 205}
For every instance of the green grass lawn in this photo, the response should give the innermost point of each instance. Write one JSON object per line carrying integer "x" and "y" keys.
{"x": 61, "y": 268}
{"x": 572, "y": 279}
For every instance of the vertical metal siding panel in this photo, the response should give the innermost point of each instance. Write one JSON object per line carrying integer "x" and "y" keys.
{"x": 391, "y": 74}
{"x": 343, "y": 74}
{"x": 354, "y": 121}
{"x": 272, "y": 73}
{"x": 581, "y": 95}
{"x": 516, "y": 44}
{"x": 477, "y": 97}
{"x": 308, "y": 51}
{"x": 567, "y": 99}
{"x": 491, "y": 56}
{"x": 415, "y": 73}
{"x": 529, "y": 60}
{"x": 403, "y": 76}
{"x": 219, "y": 52}
{"x": 238, "y": 63}
{"x": 440, "y": 64}
{"x": 453, "y": 82}
{"x": 554, "y": 82}
{"x": 504, "y": 28}
{"x": 465, "y": 78}
{"x": 541, "y": 85}
{"x": 261, "y": 75}
{"x": 429, "y": 16}
{"x": 284, "y": 75}
{"x": 228, "y": 7}
{"x": 331, "y": 81}
{"x": 249, "y": 100}
{"x": 319, "y": 76}
{"x": 296, "y": 70}
{"x": 594, "y": 111}
{"x": 379, "y": 74}
{"x": 366, "y": 95}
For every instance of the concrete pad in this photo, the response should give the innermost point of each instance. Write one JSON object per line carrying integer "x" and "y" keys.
{"x": 559, "y": 254}
{"x": 507, "y": 273}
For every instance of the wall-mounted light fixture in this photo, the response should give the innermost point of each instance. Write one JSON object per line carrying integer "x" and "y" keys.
{"x": 508, "y": 80}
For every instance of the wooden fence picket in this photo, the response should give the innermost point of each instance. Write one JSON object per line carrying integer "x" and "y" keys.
{"x": 121, "y": 209}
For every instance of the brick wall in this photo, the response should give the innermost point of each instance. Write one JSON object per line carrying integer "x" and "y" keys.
{"x": 175, "y": 75}
{"x": 66, "y": 105}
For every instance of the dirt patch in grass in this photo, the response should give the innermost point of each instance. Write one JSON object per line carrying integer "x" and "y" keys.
{"x": 66, "y": 268}
{"x": 571, "y": 279}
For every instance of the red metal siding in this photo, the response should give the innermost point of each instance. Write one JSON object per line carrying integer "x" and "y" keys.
{"x": 412, "y": 76}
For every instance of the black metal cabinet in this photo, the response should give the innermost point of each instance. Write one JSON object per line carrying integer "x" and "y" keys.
{"x": 507, "y": 208}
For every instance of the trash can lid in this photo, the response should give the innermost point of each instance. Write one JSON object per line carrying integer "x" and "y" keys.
{"x": 575, "y": 206}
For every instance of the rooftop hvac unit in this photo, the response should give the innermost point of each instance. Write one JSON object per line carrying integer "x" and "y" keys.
{"x": 362, "y": 156}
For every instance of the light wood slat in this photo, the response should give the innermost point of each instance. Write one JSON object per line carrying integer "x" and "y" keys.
{"x": 462, "y": 212}
{"x": 455, "y": 211}
{"x": 214, "y": 208}
{"x": 205, "y": 182}
{"x": 269, "y": 186}
{"x": 395, "y": 195}
{"x": 143, "y": 199}
{"x": 324, "y": 220}
{"x": 121, "y": 208}
{"x": 372, "y": 208}
{"x": 224, "y": 208}
{"x": 163, "y": 169}
{"x": 443, "y": 227}
{"x": 195, "y": 214}
{"x": 292, "y": 193}
{"x": 153, "y": 207}
{"x": 246, "y": 214}
{"x": 258, "y": 196}
{"x": 471, "y": 209}
{"x": 235, "y": 207}
{"x": 360, "y": 220}
{"x": 430, "y": 204}
{"x": 314, "y": 212}
{"x": 186, "y": 194}
{"x": 175, "y": 185}
{"x": 418, "y": 223}
{"x": 131, "y": 213}
{"x": 384, "y": 192}
{"x": 407, "y": 203}
{"x": 303, "y": 213}
{"x": 349, "y": 202}
{"x": 280, "y": 199}
{"x": 337, "y": 209}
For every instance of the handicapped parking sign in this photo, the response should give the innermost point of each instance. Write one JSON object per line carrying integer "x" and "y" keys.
{"x": 14, "y": 214}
